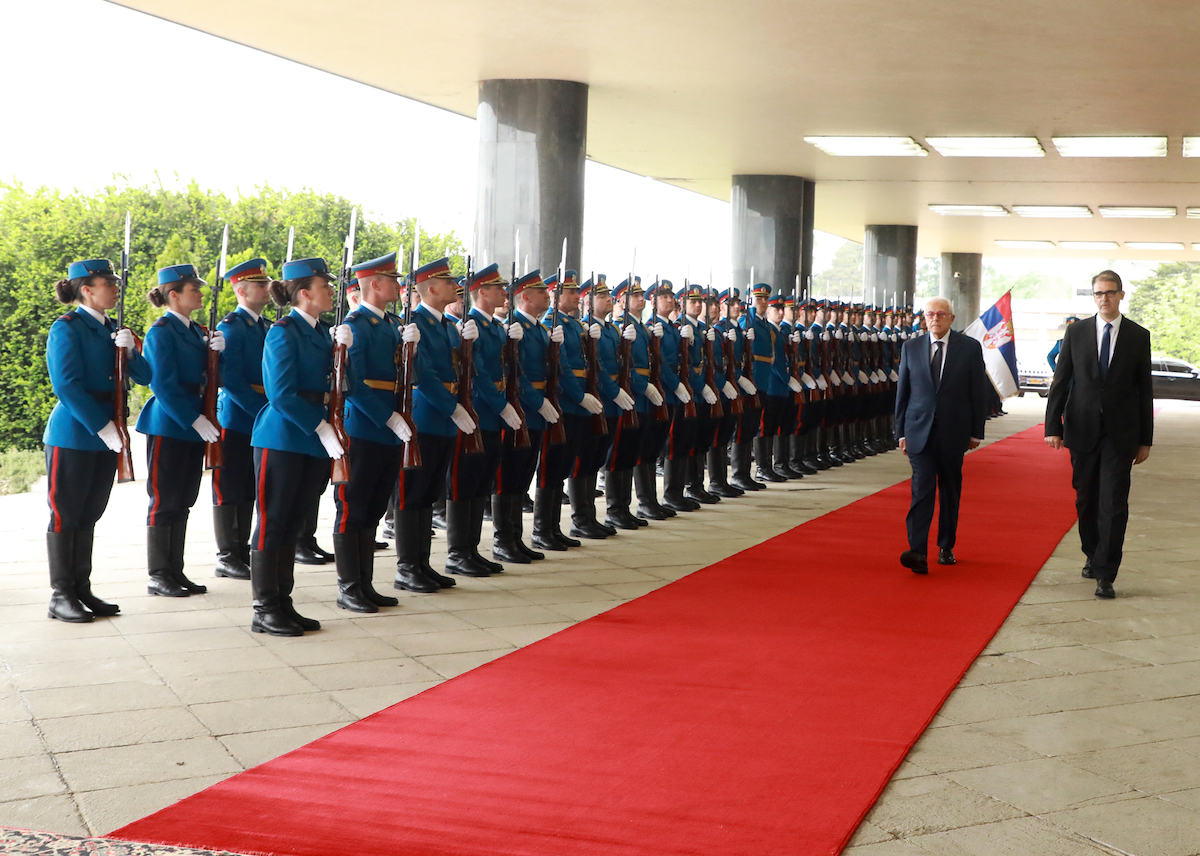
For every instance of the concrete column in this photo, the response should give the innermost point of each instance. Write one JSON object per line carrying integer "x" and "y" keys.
{"x": 807, "y": 224}
{"x": 532, "y": 146}
{"x": 767, "y": 214}
{"x": 890, "y": 263}
{"x": 962, "y": 277}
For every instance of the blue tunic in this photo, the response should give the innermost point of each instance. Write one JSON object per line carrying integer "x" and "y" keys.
{"x": 178, "y": 356}
{"x": 669, "y": 345}
{"x": 435, "y": 396}
{"x": 763, "y": 348}
{"x": 487, "y": 393}
{"x": 297, "y": 360}
{"x": 81, "y": 358}
{"x": 373, "y": 356}
{"x": 239, "y": 402}
{"x": 571, "y": 385}
{"x": 532, "y": 351}
{"x": 639, "y": 377}
{"x": 778, "y": 381}
{"x": 610, "y": 366}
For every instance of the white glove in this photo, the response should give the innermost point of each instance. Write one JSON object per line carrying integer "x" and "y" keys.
{"x": 657, "y": 329}
{"x": 556, "y": 335}
{"x": 892, "y": 376}
{"x": 515, "y": 331}
{"x": 853, "y": 337}
{"x": 461, "y": 419}
{"x": 124, "y": 339}
{"x": 623, "y": 400}
{"x": 731, "y": 334}
{"x": 749, "y": 334}
{"x": 594, "y": 331}
{"x": 795, "y": 337}
{"x": 653, "y": 395}
{"x": 342, "y": 335}
{"x": 835, "y": 379}
{"x": 794, "y": 385}
{"x": 207, "y": 431}
{"x": 808, "y": 334}
{"x": 710, "y": 334}
{"x": 848, "y": 378}
{"x": 874, "y": 337}
{"x": 808, "y": 381}
{"x": 825, "y": 336}
{"x": 398, "y": 426}
{"x": 862, "y": 376}
{"x": 216, "y": 341}
{"x": 411, "y": 334}
{"x": 728, "y": 391}
{"x": 329, "y": 439}
{"x": 109, "y": 433}
{"x": 686, "y": 332}
{"x": 747, "y": 385}
{"x": 510, "y": 416}
{"x": 548, "y": 412}
{"x": 821, "y": 385}
{"x": 837, "y": 334}
{"x": 629, "y": 334}
{"x": 708, "y": 395}
{"x": 682, "y": 394}
{"x": 469, "y": 330}
{"x": 591, "y": 404}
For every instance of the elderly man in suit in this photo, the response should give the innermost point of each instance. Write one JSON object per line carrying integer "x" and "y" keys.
{"x": 1101, "y": 407}
{"x": 941, "y": 407}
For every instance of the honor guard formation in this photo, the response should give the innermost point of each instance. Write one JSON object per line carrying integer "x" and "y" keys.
{"x": 439, "y": 416}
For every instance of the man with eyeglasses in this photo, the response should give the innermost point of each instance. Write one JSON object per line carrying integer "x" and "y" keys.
{"x": 1101, "y": 407}
{"x": 941, "y": 407}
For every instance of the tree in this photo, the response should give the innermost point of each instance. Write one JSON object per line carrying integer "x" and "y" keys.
{"x": 844, "y": 276}
{"x": 1029, "y": 284}
{"x": 42, "y": 231}
{"x": 1165, "y": 304}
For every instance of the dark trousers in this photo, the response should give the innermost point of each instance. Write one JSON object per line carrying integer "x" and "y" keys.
{"x": 750, "y": 421}
{"x": 593, "y": 449}
{"x": 418, "y": 488}
{"x": 936, "y": 471}
{"x": 175, "y": 468}
{"x": 473, "y": 476}
{"x": 290, "y": 485}
{"x": 557, "y": 461}
{"x": 625, "y": 449}
{"x": 78, "y": 483}
{"x": 1101, "y": 481}
{"x": 233, "y": 481}
{"x": 654, "y": 438}
{"x": 373, "y": 471}
{"x": 517, "y": 466}
{"x": 706, "y": 432}
{"x": 774, "y": 410}
{"x": 726, "y": 428}
{"x": 681, "y": 439}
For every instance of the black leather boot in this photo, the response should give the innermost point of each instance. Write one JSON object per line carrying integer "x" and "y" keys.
{"x": 739, "y": 462}
{"x": 439, "y": 520}
{"x": 781, "y": 455}
{"x": 504, "y": 545}
{"x": 546, "y": 507}
{"x": 580, "y": 491}
{"x": 409, "y": 575}
{"x": 763, "y": 458}
{"x": 366, "y": 574}
{"x": 796, "y": 447}
{"x": 718, "y": 475}
{"x": 346, "y": 555}
{"x": 245, "y": 524}
{"x": 458, "y": 541}
{"x": 481, "y": 509}
{"x": 812, "y": 451}
{"x": 82, "y": 564}
{"x": 616, "y": 503}
{"x": 626, "y": 480}
{"x": 647, "y": 494}
{"x": 694, "y": 468}
{"x": 178, "y": 542}
{"x": 64, "y": 602}
{"x": 516, "y": 518}
{"x": 596, "y": 482}
{"x": 674, "y": 482}
{"x": 230, "y": 542}
{"x": 389, "y": 521}
{"x": 158, "y": 560}
{"x": 426, "y": 546}
{"x": 287, "y": 581}
{"x": 269, "y": 616}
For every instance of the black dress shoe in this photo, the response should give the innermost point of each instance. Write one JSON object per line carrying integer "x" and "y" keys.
{"x": 590, "y": 530}
{"x": 465, "y": 565}
{"x": 726, "y": 491}
{"x": 655, "y": 513}
{"x": 946, "y": 556}
{"x": 621, "y": 521}
{"x": 526, "y": 505}
{"x": 769, "y": 476}
{"x": 547, "y": 542}
{"x": 305, "y": 555}
{"x": 567, "y": 541}
{"x": 381, "y": 545}
{"x": 410, "y": 578}
{"x": 1104, "y": 589}
{"x": 165, "y": 585}
{"x": 700, "y": 495}
{"x": 507, "y": 551}
{"x": 915, "y": 562}
{"x": 1087, "y": 573}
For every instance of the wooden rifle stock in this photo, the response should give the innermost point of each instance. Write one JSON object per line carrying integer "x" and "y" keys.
{"x": 213, "y": 456}
{"x": 735, "y": 407}
{"x": 406, "y": 378}
{"x": 121, "y": 416}
{"x": 658, "y": 412}
{"x": 685, "y": 369}
{"x": 629, "y": 418}
{"x": 557, "y": 431}
{"x": 748, "y": 362}
{"x": 591, "y": 354}
{"x": 512, "y": 392}
{"x": 340, "y": 472}
{"x": 710, "y": 378}
{"x": 473, "y": 442}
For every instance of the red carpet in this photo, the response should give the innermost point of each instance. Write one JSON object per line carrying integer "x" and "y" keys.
{"x": 755, "y": 707}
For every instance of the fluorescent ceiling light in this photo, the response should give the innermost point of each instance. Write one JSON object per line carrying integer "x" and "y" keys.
{"x": 1111, "y": 147}
{"x": 1196, "y": 246}
{"x": 868, "y": 146}
{"x": 987, "y": 147}
{"x": 1141, "y": 212}
{"x": 1193, "y": 213}
{"x": 1026, "y": 245}
{"x": 1153, "y": 245}
{"x": 1191, "y": 147}
{"x": 1088, "y": 245}
{"x": 969, "y": 210}
{"x": 1060, "y": 211}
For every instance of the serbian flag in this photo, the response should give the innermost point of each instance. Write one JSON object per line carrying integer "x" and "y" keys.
{"x": 994, "y": 330}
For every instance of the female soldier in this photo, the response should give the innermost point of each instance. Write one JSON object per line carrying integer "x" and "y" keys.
{"x": 176, "y": 427}
{"x": 292, "y": 440}
{"x": 81, "y": 440}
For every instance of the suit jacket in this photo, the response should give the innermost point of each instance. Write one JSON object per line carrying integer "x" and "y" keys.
{"x": 958, "y": 405}
{"x": 1080, "y": 403}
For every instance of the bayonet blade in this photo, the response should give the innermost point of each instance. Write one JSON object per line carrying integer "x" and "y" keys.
{"x": 291, "y": 242}
{"x": 416, "y": 262}
{"x": 224, "y": 252}
{"x": 128, "y": 221}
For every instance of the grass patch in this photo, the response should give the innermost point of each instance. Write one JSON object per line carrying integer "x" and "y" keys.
{"x": 20, "y": 469}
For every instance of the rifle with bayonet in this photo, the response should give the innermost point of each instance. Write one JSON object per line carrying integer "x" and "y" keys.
{"x": 473, "y": 442}
{"x": 557, "y": 431}
{"x": 716, "y": 411}
{"x": 213, "y": 456}
{"x": 629, "y": 418}
{"x": 685, "y": 358}
{"x": 511, "y": 356}
{"x": 747, "y": 344}
{"x": 121, "y": 375}
{"x": 406, "y": 363}
{"x": 658, "y": 411}
{"x": 730, "y": 357}
{"x": 591, "y": 356}
{"x": 340, "y": 471}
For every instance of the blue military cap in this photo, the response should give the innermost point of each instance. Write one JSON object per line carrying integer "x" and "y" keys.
{"x": 490, "y": 275}
{"x": 300, "y": 268}
{"x": 353, "y": 285}
{"x": 761, "y": 290}
{"x": 254, "y": 270}
{"x": 178, "y": 273}
{"x": 91, "y": 267}
{"x": 383, "y": 264}
{"x": 729, "y": 294}
{"x": 1070, "y": 319}
{"x": 600, "y": 286}
{"x": 437, "y": 269}
{"x": 533, "y": 279}
{"x": 625, "y": 286}
{"x": 570, "y": 280}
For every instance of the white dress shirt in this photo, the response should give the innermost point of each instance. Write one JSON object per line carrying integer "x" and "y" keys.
{"x": 1112, "y": 338}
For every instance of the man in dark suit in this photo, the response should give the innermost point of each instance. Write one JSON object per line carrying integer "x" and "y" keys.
{"x": 941, "y": 407}
{"x": 1101, "y": 407}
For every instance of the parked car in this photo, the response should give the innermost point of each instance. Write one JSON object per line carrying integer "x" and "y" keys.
{"x": 1034, "y": 378}
{"x": 1175, "y": 379}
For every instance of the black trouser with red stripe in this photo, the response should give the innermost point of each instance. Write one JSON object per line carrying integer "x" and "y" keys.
{"x": 706, "y": 431}
{"x": 175, "y": 468}
{"x": 373, "y": 470}
{"x": 418, "y": 488}
{"x": 750, "y": 421}
{"x": 594, "y": 448}
{"x": 773, "y": 412}
{"x": 557, "y": 461}
{"x": 289, "y": 485}
{"x": 626, "y": 445}
{"x": 654, "y": 438}
{"x": 473, "y": 476}
{"x": 727, "y": 427}
{"x": 78, "y": 485}
{"x": 233, "y": 481}
{"x": 681, "y": 437}
{"x": 517, "y": 466}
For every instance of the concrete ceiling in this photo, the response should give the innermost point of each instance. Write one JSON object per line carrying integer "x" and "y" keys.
{"x": 694, "y": 92}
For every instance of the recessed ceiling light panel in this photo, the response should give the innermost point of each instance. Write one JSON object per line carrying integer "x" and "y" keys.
{"x": 1153, "y": 245}
{"x": 987, "y": 147}
{"x": 1111, "y": 147}
{"x": 868, "y": 146}
{"x": 1138, "y": 212}
{"x": 1193, "y": 213}
{"x": 969, "y": 210}
{"x": 1026, "y": 245}
{"x": 1191, "y": 147}
{"x": 1057, "y": 211}
{"x": 1089, "y": 245}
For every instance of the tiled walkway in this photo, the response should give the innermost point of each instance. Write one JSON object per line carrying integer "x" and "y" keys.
{"x": 1081, "y": 724}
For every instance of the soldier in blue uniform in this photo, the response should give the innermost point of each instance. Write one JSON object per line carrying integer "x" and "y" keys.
{"x": 292, "y": 438}
{"x": 175, "y": 425}
{"x": 375, "y": 429}
{"x": 240, "y": 399}
{"x": 762, "y": 335}
{"x": 728, "y": 375}
{"x": 439, "y": 419}
{"x": 681, "y": 438}
{"x": 81, "y": 439}
{"x": 518, "y": 465}
{"x": 812, "y": 410}
{"x": 578, "y": 406}
{"x": 747, "y": 425}
{"x": 707, "y": 398}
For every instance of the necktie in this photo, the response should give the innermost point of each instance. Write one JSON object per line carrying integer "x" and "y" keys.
{"x": 1105, "y": 350}
{"x": 936, "y": 365}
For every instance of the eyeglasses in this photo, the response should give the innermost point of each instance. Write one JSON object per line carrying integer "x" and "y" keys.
{"x": 1100, "y": 295}
{"x": 937, "y": 314}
